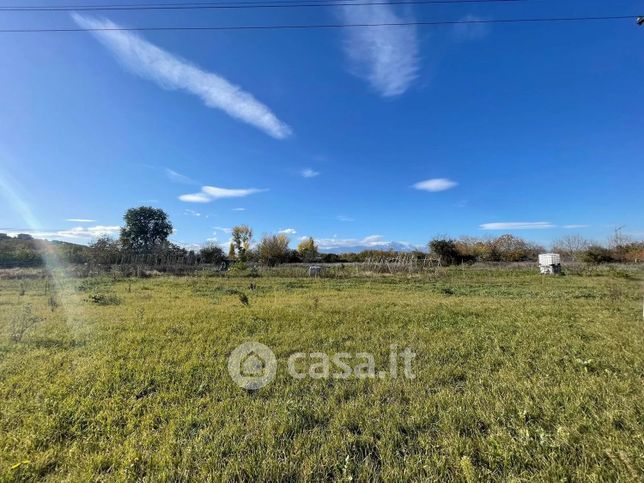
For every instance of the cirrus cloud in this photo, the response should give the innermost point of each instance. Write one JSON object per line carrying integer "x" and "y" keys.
{"x": 309, "y": 173}
{"x": 171, "y": 72}
{"x": 518, "y": 225}
{"x": 212, "y": 193}
{"x": 387, "y": 56}
{"x": 435, "y": 184}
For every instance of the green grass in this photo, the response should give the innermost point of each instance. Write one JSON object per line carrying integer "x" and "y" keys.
{"x": 518, "y": 378}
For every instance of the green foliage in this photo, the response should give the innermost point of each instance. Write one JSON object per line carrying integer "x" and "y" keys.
{"x": 146, "y": 229}
{"x": 505, "y": 248}
{"x": 105, "y": 250}
{"x": 212, "y": 253}
{"x": 445, "y": 250}
{"x": 596, "y": 254}
{"x": 29, "y": 252}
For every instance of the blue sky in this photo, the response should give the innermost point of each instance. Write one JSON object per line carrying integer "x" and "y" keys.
{"x": 354, "y": 136}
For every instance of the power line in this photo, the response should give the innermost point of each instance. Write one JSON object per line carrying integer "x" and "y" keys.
{"x": 323, "y": 26}
{"x": 236, "y": 5}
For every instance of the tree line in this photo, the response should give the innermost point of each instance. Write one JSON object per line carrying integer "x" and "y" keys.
{"x": 144, "y": 239}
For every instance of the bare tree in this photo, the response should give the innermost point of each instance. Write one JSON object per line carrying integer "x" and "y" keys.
{"x": 618, "y": 239}
{"x": 571, "y": 246}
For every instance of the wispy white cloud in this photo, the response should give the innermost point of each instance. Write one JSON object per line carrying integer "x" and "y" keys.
{"x": 387, "y": 57}
{"x": 239, "y": 209}
{"x": 176, "y": 177}
{"x": 80, "y": 220}
{"x": 77, "y": 233}
{"x": 288, "y": 231}
{"x": 470, "y": 31}
{"x": 191, "y": 212}
{"x": 172, "y": 72}
{"x": 436, "y": 184}
{"x": 518, "y": 225}
{"x": 224, "y": 229}
{"x": 211, "y": 193}
{"x": 309, "y": 173}
{"x": 576, "y": 226}
{"x": 345, "y": 218}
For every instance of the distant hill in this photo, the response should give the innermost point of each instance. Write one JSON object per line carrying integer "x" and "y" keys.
{"x": 25, "y": 251}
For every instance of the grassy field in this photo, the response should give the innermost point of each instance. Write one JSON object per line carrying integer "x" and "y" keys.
{"x": 518, "y": 377}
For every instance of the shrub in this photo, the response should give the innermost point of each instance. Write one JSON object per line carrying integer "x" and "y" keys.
{"x": 596, "y": 254}
{"x": 212, "y": 253}
{"x": 446, "y": 251}
{"x": 104, "y": 299}
{"x": 629, "y": 252}
{"x": 105, "y": 251}
{"x": 22, "y": 322}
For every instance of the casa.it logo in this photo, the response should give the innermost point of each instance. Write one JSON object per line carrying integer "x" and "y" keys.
{"x": 252, "y": 365}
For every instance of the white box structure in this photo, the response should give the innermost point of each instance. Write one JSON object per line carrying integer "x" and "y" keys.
{"x": 550, "y": 263}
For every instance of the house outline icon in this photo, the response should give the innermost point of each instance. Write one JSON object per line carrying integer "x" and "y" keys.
{"x": 253, "y": 365}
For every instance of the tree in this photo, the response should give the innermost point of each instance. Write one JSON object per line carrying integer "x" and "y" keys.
{"x": 212, "y": 253}
{"x": 570, "y": 246}
{"x": 273, "y": 249}
{"x": 242, "y": 236}
{"x": 596, "y": 254}
{"x": 473, "y": 249}
{"x": 308, "y": 250}
{"x": 4, "y": 236}
{"x": 618, "y": 239}
{"x": 445, "y": 249}
{"x": 24, "y": 237}
{"x": 510, "y": 248}
{"x": 146, "y": 229}
{"x": 104, "y": 250}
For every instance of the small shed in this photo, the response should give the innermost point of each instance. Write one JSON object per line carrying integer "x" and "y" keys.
{"x": 550, "y": 263}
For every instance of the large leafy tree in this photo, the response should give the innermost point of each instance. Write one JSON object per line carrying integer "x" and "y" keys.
{"x": 146, "y": 229}
{"x": 212, "y": 253}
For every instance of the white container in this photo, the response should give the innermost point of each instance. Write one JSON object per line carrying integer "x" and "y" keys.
{"x": 549, "y": 259}
{"x": 550, "y": 263}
